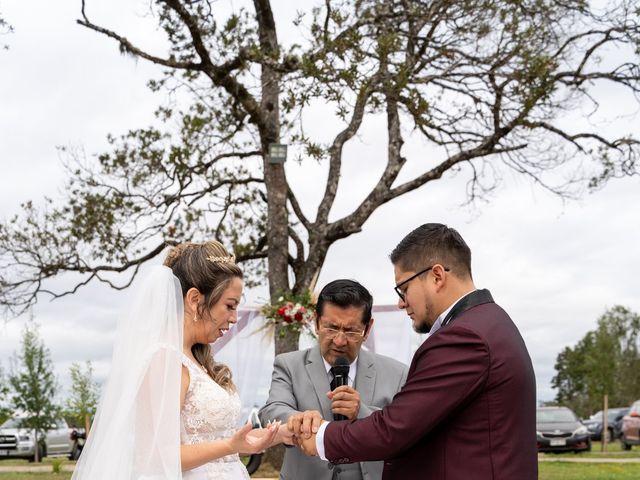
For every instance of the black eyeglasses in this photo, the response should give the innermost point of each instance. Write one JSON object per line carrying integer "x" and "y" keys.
{"x": 404, "y": 282}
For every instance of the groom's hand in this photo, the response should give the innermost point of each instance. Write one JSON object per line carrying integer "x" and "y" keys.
{"x": 345, "y": 401}
{"x": 308, "y": 446}
{"x": 304, "y": 424}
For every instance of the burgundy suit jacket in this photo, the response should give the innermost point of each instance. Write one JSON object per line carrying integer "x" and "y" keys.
{"x": 466, "y": 412}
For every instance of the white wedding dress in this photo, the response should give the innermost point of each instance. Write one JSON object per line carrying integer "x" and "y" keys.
{"x": 210, "y": 413}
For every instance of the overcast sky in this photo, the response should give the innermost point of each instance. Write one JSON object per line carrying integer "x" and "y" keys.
{"x": 554, "y": 266}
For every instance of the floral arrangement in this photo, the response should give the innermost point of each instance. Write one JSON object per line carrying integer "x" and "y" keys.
{"x": 296, "y": 312}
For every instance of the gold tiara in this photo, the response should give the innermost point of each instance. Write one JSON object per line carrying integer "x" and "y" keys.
{"x": 228, "y": 259}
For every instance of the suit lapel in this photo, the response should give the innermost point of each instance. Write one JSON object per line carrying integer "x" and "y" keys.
{"x": 473, "y": 299}
{"x": 318, "y": 377}
{"x": 365, "y": 377}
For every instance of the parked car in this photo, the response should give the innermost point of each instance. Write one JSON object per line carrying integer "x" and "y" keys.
{"x": 617, "y": 428}
{"x": 78, "y": 437}
{"x": 631, "y": 427}
{"x": 559, "y": 430}
{"x": 594, "y": 423}
{"x": 17, "y": 441}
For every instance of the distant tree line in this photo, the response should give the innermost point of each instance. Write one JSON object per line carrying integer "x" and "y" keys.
{"x": 605, "y": 361}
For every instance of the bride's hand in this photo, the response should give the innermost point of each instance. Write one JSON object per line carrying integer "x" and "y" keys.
{"x": 283, "y": 435}
{"x": 248, "y": 440}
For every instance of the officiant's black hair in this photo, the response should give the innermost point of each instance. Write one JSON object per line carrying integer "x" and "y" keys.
{"x": 346, "y": 293}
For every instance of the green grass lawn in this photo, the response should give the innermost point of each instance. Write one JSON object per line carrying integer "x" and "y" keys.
{"x": 586, "y": 471}
{"x": 614, "y": 450}
{"x": 5, "y": 462}
{"x": 46, "y": 462}
{"x": 35, "y": 476}
{"x": 548, "y": 471}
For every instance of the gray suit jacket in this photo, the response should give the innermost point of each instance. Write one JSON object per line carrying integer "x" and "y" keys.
{"x": 300, "y": 383}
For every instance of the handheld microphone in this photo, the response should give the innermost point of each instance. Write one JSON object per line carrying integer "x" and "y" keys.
{"x": 340, "y": 377}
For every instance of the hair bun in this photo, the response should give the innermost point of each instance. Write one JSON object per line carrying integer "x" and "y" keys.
{"x": 175, "y": 253}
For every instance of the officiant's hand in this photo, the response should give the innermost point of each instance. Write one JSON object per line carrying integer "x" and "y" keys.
{"x": 304, "y": 424}
{"x": 345, "y": 401}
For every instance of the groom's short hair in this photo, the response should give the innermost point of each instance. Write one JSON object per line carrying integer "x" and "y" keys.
{"x": 433, "y": 243}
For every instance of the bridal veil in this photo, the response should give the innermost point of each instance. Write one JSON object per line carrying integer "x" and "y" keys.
{"x": 136, "y": 432}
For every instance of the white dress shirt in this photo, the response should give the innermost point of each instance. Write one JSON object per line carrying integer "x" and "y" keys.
{"x": 353, "y": 368}
{"x": 438, "y": 323}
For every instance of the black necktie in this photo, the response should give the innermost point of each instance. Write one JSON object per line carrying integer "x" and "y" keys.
{"x": 334, "y": 383}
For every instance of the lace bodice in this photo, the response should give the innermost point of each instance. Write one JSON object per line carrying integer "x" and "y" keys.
{"x": 210, "y": 413}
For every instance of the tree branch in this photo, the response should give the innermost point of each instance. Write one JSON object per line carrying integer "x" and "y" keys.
{"x": 127, "y": 47}
{"x": 335, "y": 151}
{"x": 296, "y": 208}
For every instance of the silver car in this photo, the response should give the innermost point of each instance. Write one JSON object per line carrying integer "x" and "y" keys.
{"x": 19, "y": 442}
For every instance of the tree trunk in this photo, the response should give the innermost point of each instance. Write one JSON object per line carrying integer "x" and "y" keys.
{"x": 605, "y": 424}
{"x": 276, "y": 185}
{"x": 274, "y": 174}
{"x": 285, "y": 339}
{"x": 36, "y": 447}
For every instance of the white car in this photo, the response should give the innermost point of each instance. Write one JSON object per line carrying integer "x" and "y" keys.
{"x": 19, "y": 442}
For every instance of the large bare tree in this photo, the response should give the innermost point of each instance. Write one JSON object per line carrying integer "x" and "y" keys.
{"x": 485, "y": 83}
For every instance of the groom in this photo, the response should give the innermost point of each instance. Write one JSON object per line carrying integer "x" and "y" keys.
{"x": 467, "y": 410}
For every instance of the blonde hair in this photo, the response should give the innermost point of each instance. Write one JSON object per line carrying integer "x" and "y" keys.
{"x": 209, "y": 268}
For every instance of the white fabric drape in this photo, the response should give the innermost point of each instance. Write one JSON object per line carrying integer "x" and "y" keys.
{"x": 250, "y": 355}
{"x": 136, "y": 432}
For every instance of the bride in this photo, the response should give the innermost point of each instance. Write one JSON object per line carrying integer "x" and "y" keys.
{"x": 168, "y": 410}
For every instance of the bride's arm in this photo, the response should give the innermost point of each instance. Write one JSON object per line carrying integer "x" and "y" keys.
{"x": 244, "y": 440}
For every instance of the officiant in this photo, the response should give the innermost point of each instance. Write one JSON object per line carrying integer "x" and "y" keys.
{"x": 308, "y": 379}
